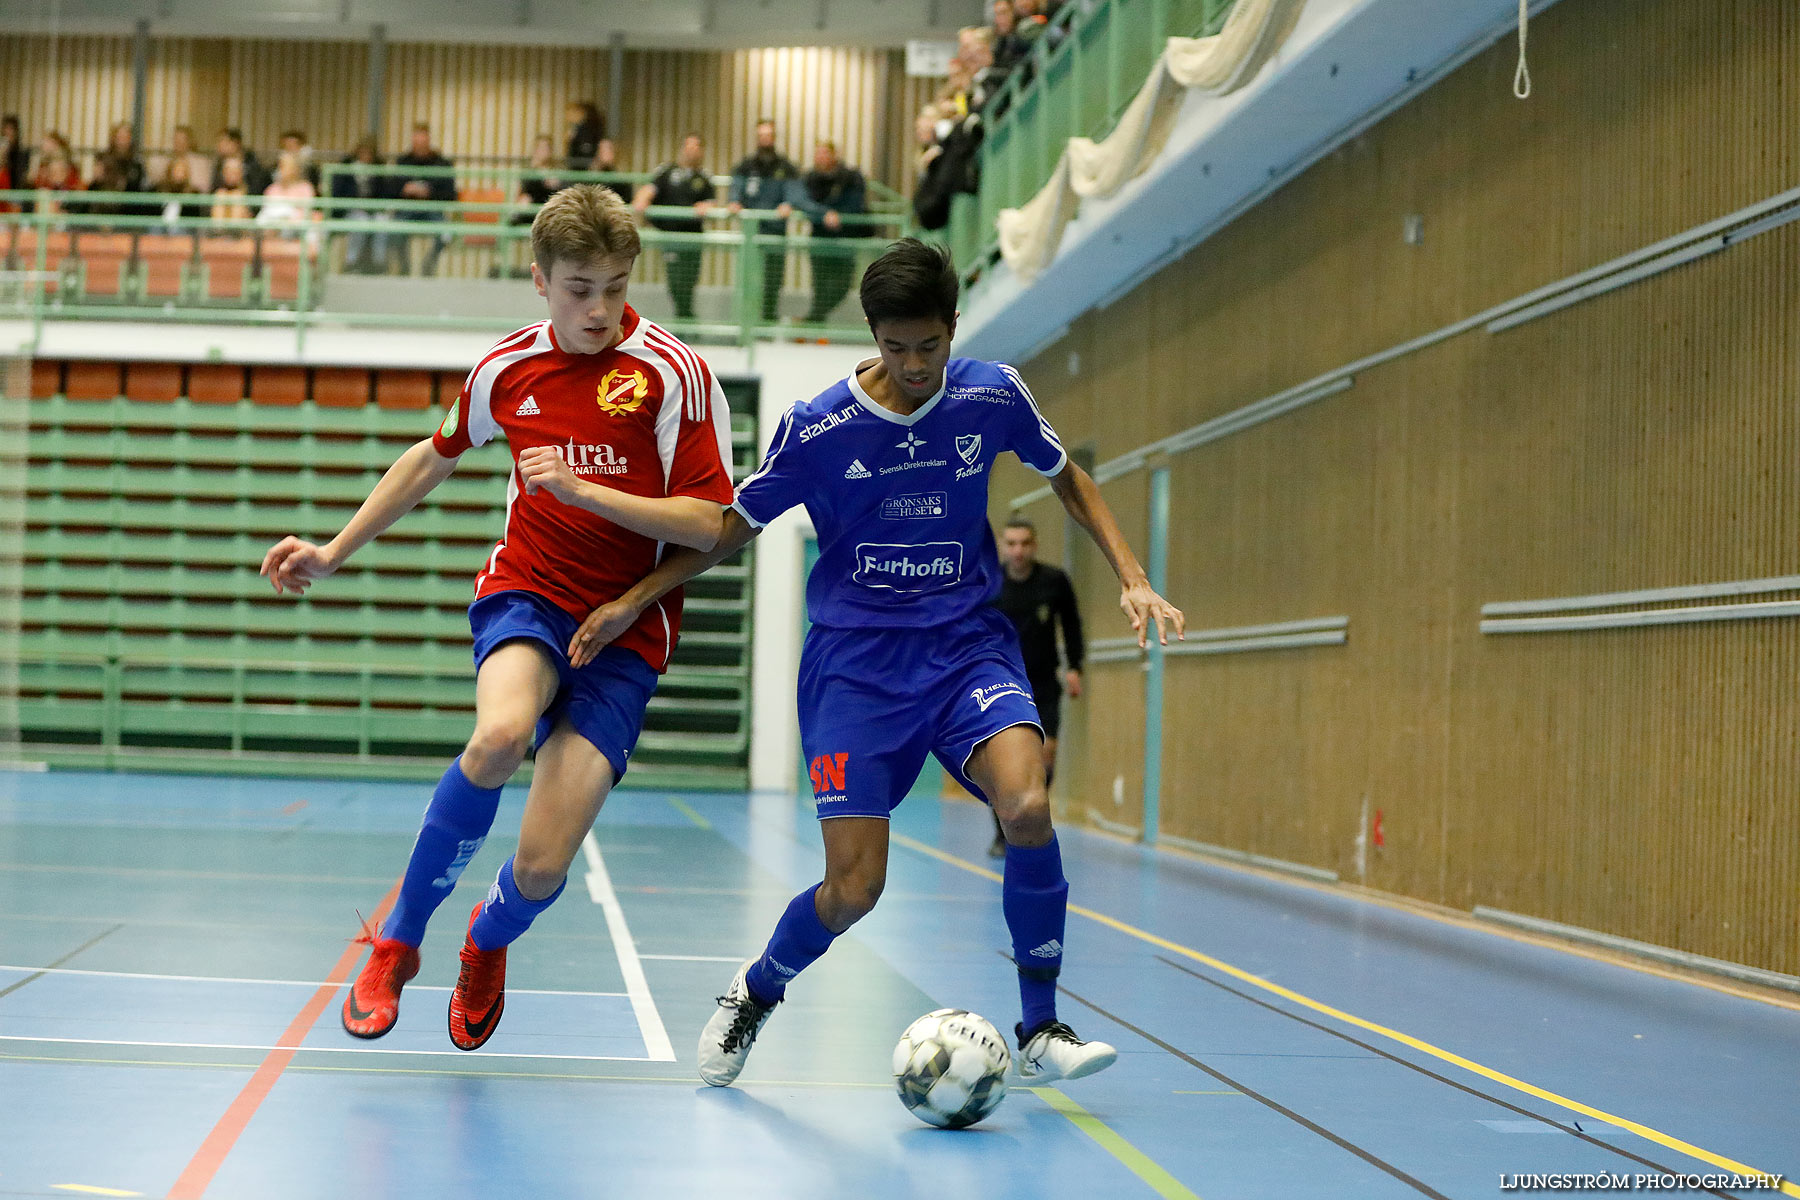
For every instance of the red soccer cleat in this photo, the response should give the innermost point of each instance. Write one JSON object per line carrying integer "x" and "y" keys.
{"x": 373, "y": 1003}
{"x": 480, "y": 994}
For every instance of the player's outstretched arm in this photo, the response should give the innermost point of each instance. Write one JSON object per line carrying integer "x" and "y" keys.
{"x": 293, "y": 565}
{"x": 1082, "y": 500}
{"x": 610, "y": 620}
{"x": 679, "y": 520}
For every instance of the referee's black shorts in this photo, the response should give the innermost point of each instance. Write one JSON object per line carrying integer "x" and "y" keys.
{"x": 1046, "y": 693}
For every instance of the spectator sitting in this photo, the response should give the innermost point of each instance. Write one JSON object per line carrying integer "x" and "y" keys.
{"x": 587, "y": 129}
{"x": 290, "y": 198}
{"x": 181, "y": 146}
{"x": 1009, "y": 47}
{"x": 231, "y": 189}
{"x": 954, "y": 168}
{"x": 767, "y": 180}
{"x": 364, "y": 253}
{"x": 1034, "y": 24}
{"x": 177, "y": 181}
{"x": 231, "y": 145}
{"x": 439, "y": 187}
{"x": 683, "y": 183}
{"x": 538, "y": 183}
{"x": 985, "y": 79}
{"x": 294, "y": 142}
{"x": 830, "y": 191}
{"x": 118, "y": 169}
{"x": 56, "y": 168}
{"x": 15, "y": 156}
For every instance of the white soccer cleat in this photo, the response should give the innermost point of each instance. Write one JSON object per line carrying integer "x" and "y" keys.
{"x": 1054, "y": 1052}
{"x": 725, "y": 1042}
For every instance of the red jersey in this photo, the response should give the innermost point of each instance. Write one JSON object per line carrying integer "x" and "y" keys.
{"x": 645, "y": 417}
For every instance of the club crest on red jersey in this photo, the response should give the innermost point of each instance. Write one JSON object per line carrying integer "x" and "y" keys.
{"x": 622, "y": 391}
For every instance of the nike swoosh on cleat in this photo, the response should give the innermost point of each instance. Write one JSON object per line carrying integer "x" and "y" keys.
{"x": 477, "y": 1031}
{"x": 355, "y": 1012}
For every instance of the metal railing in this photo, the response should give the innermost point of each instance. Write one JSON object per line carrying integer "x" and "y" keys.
{"x": 1079, "y": 78}
{"x": 162, "y": 257}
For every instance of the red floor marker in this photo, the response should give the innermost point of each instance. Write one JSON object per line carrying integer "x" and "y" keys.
{"x": 207, "y": 1160}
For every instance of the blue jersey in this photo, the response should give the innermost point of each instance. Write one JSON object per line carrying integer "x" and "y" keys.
{"x": 900, "y": 503}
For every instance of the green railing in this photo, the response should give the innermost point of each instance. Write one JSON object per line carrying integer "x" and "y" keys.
{"x": 1079, "y": 88}
{"x": 63, "y": 260}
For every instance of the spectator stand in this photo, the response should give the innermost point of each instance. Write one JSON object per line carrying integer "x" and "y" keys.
{"x": 1076, "y": 82}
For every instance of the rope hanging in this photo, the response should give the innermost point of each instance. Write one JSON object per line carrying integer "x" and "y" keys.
{"x": 1522, "y": 76}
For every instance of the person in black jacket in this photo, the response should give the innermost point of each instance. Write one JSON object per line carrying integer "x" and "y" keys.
{"x": 684, "y": 183}
{"x": 441, "y": 188}
{"x": 231, "y": 145}
{"x": 15, "y": 155}
{"x": 767, "y": 180}
{"x": 1036, "y": 598}
{"x": 587, "y": 132}
{"x": 830, "y": 191}
{"x": 364, "y": 253}
{"x": 119, "y": 169}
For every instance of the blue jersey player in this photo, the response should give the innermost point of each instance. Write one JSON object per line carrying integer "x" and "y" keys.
{"x": 906, "y": 657}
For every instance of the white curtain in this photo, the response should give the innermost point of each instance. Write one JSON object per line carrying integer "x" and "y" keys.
{"x": 1211, "y": 66}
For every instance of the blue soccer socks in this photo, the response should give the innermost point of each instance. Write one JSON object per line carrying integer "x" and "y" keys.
{"x": 507, "y": 913}
{"x": 1035, "y": 898}
{"x": 456, "y": 823}
{"x": 799, "y": 939}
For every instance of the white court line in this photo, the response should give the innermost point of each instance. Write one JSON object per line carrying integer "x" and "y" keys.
{"x": 643, "y": 1005}
{"x": 463, "y": 1054}
{"x": 737, "y": 959}
{"x": 420, "y": 987}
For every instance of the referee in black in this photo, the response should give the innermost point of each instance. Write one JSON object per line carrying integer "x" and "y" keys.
{"x": 1035, "y": 597}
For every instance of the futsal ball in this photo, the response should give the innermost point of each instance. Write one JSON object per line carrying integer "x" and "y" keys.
{"x": 950, "y": 1068}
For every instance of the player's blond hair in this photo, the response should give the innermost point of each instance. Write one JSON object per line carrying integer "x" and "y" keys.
{"x": 581, "y": 223}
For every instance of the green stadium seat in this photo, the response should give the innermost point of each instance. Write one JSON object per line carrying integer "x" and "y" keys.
{"x": 146, "y": 627}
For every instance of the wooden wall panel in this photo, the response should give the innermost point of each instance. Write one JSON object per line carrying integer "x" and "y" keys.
{"x": 1644, "y": 782}
{"x": 320, "y": 88}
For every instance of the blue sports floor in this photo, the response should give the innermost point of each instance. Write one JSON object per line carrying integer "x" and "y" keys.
{"x": 171, "y": 950}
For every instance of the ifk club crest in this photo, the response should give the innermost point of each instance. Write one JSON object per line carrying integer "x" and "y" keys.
{"x": 622, "y": 391}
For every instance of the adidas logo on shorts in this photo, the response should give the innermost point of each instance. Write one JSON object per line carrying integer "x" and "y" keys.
{"x": 1050, "y": 949}
{"x": 529, "y": 408}
{"x": 856, "y": 470}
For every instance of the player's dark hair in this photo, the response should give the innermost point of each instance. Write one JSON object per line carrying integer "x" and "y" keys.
{"x": 1022, "y": 523}
{"x": 910, "y": 280}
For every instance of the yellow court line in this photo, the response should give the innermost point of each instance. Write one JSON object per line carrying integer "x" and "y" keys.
{"x": 1139, "y": 1163}
{"x": 687, "y": 810}
{"x": 88, "y": 1190}
{"x": 1788, "y": 1187}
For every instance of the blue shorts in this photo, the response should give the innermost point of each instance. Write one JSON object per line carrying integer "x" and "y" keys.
{"x": 874, "y": 702}
{"x": 604, "y": 701}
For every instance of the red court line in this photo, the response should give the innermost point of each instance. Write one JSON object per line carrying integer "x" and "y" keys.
{"x": 207, "y": 1160}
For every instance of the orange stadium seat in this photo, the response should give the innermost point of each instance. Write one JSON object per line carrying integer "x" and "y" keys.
{"x": 341, "y": 387}
{"x": 56, "y": 249}
{"x": 227, "y": 261}
{"x": 152, "y": 382}
{"x": 93, "y": 381}
{"x": 449, "y": 386}
{"x": 403, "y": 389}
{"x": 216, "y": 383}
{"x": 164, "y": 259}
{"x": 104, "y": 257}
{"x": 481, "y": 196}
{"x": 278, "y": 385}
{"x": 281, "y": 268}
{"x": 46, "y": 378}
